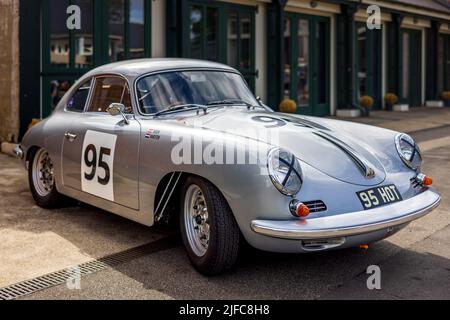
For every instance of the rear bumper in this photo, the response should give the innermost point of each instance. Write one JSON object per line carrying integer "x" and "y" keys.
{"x": 351, "y": 224}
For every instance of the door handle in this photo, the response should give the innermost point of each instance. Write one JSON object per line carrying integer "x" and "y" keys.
{"x": 70, "y": 136}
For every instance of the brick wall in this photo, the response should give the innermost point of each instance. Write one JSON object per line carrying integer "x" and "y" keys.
{"x": 9, "y": 69}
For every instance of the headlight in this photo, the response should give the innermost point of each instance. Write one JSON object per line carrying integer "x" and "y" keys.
{"x": 408, "y": 150}
{"x": 284, "y": 171}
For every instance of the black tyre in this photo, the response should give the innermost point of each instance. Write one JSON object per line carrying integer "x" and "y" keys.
{"x": 208, "y": 228}
{"x": 42, "y": 181}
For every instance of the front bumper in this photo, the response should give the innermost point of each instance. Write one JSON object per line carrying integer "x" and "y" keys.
{"x": 18, "y": 152}
{"x": 351, "y": 224}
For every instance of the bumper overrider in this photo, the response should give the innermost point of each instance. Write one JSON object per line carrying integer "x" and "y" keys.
{"x": 353, "y": 223}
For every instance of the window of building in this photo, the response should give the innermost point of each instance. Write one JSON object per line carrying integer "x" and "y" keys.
{"x": 203, "y": 42}
{"x": 116, "y": 30}
{"x": 58, "y": 48}
{"x": 443, "y": 63}
{"x": 306, "y": 62}
{"x": 287, "y": 57}
{"x": 219, "y": 31}
{"x": 321, "y": 39}
{"x": 440, "y": 63}
{"x": 361, "y": 56}
{"x": 111, "y": 30}
{"x": 368, "y": 63}
{"x": 64, "y": 48}
{"x": 137, "y": 29}
{"x": 108, "y": 90}
{"x": 411, "y": 67}
{"x": 126, "y": 25}
{"x": 83, "y": 38}
{"x": 240, "y": 42}
{"x": 303, "y": 62}
{"x": 126, "y": 29}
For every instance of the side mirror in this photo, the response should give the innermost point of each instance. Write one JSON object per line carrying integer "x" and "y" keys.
{"x": 116, "y": 109}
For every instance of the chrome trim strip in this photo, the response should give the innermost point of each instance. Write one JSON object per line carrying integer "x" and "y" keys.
{"x": 164, "y": 193}
{"x": 159, "y": 215}
{"x": 365, "y": 169}
{"x": 350, "y": 224}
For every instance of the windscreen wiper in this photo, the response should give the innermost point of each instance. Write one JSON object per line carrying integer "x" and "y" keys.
{"x": 182, "y": 107}
{"x": 234, "y": 102}
{"x": 229, "y": 101}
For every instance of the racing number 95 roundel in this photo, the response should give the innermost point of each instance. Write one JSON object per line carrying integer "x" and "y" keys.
{"x": 97, "y": 164}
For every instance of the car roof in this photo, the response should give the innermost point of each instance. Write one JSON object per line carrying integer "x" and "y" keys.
{"x": 137, "y": 67}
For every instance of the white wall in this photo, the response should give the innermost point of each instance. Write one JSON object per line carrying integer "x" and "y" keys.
{"x": 158, "y": 28}
{"x": 261, "y": 52}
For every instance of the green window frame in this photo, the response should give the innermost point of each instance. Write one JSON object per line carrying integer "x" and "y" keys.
{"x": 248, "y": 71}
{"x": 411, "y": 74}
{"x": 373, "y": 58}
{"x": 126, "y": 30}
{"x": 444, "y": 67}
{"x": 100, "y": 45}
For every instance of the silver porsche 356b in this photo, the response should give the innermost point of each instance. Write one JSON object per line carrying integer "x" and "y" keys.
{"x": 160, "y": 138}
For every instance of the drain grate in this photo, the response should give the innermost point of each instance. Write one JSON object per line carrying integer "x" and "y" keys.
{"x": 59, "y": 277}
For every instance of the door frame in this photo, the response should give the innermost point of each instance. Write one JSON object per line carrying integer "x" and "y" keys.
{"x": 373, "y": 76}
{"x": 313, "y": 107}
{"x": 413, "y": 94}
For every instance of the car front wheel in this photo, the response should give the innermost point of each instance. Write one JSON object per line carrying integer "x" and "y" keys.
{"x": 209, "y": 230}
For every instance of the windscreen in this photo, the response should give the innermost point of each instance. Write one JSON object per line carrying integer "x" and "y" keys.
{"x": 164, "y": 90}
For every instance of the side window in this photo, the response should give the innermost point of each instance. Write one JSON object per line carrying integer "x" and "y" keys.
{"x": 109, "y": 90}
{"x": 78, "y": 101}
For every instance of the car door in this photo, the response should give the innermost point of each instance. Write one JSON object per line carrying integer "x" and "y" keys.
{"x": 100, "y": 153}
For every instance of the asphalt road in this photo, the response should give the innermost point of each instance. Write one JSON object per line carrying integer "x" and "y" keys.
{"x": 414, "y": 263}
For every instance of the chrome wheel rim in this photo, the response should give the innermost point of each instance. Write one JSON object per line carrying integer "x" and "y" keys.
{"x": 43, "y": 177}
{"x": 196, "y": 220}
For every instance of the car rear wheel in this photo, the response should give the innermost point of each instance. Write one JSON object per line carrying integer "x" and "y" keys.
{"x": 208, "y": 228}
{"x": 42, "y": 180}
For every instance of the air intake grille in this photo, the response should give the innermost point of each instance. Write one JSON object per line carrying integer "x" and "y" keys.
{"x": 316, "y": 206}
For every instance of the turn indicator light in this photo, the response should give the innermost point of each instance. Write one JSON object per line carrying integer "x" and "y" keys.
{"x": 298, "y": 209}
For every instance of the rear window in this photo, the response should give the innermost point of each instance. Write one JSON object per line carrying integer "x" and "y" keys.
{"x": 78, "y": 100}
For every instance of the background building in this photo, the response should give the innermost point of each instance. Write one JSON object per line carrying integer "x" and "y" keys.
{"x": 318, "y": 53}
